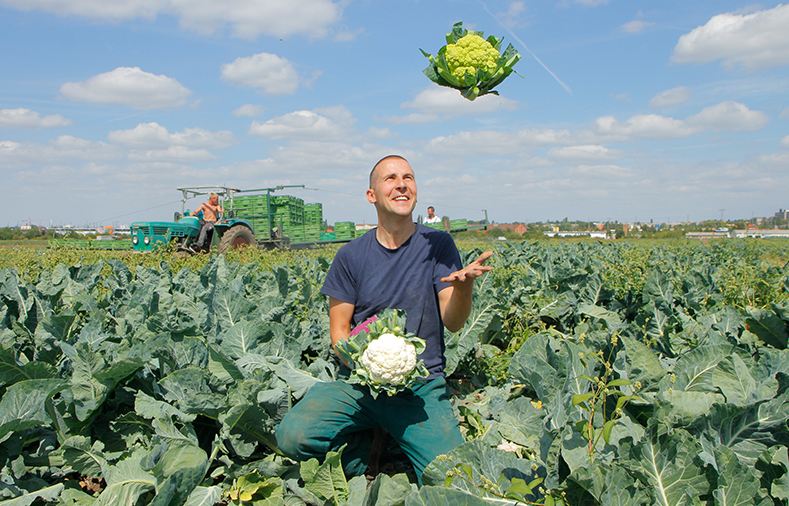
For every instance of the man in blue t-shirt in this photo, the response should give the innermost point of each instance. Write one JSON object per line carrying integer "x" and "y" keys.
{"x": 399, "y": 265}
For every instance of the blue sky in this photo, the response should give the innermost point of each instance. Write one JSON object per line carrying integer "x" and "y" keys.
{"x": 631, "y": 111}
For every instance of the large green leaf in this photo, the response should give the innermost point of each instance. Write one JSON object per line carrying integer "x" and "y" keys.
{"x": 24, "y": 404}
{"x": 11, "y": 371}
{"x": 204, "y": 496}
{"x": 749, "y": 430}
{"x": 669, "y": 466}
{"x": 554, "y": 376}
{"x": 482, "y": 324}
{"x": 637, "y": 362}
{"x": 694, "y": 369}
{"x": 249, "y": 424}
{"x": 737, "y": 485}
{"x": 150, "y": 408}
{"x": 611, "y": 318}
{"x": 127, "y": 482}
{"x": 93, "y": 379}
{"x": 658, "y": 289}
{"x": 178, "y": 470}
{"x": 768, "y": 326}
{"x": 518, "y": 420}
{"x": 388, "y": 490}
{"x": 327, "y": 479}
{"x": 48, "y": 494}
{"x": 483, "y": 462}
{"x": 621, "y": 490}
{"x": 733, "y": 377}
{"x": 84, "y": 457}
{"x": 440, "y": 496}
{"x": 242, "y": 338}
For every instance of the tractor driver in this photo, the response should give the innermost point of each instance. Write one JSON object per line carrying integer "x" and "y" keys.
{"x": 211, "y": 210}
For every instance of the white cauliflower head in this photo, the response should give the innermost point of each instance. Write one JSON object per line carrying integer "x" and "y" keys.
{"x": 389, "y": 359}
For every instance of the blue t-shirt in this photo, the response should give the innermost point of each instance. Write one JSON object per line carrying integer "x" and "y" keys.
{"x": 373, "y": 278}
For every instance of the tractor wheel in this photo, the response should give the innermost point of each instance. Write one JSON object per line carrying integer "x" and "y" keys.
{"x": 236, "y": 237}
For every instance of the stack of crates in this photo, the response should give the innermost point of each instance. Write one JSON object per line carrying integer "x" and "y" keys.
{"x": 313, "y": 222}
{"x": 289, "y": 210}
{"x": 255, "y": 209}
{"x": 437, "y": 226}
{"x": 313, "y": 214}
{"x": 344, "y": 230}
{"x": 456, "y": 224}
{"x": 294, "y": 232}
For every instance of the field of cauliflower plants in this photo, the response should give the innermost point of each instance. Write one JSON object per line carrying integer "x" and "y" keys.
{"x": 618, "y": 373}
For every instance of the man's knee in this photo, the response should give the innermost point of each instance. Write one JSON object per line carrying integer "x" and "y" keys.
{"x": 292, "y": 436}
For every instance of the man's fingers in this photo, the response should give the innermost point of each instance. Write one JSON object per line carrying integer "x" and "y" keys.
{"x": 484, "y": 256}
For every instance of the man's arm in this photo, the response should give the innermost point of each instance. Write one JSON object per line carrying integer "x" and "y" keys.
{"x": 196, "y": 211}
{"x": 340, "y": 316}
{"x": 455, "y": 301}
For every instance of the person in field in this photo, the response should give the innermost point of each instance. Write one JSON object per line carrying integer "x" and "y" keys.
{"x": 431, "y": 216}
{"x": 211, "y": 210}
{"x": 399, "y": 265}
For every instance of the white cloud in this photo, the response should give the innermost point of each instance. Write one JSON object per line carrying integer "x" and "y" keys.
{"x": 268, "y": 72}
{"x": 784, "y": 113}
{"x": 128, "y": 86}
{"x": 785, "y": 142}
{"x": 729, "y": 116}
{"x": 672, "y": 97}
{"x": 585, "y": 153}
{"x": 623, "y": 96}
{"x": 251, "y": 110}
{"x": 153, "y": 135}
{"x": 321, "y": 124}
{"x": 513, "y": 18}
{"x": 414, "y": 118}
{"x": 754, "y": 41}
{"x": 605, "y": 172}
{"x": 180, "y": 154}
{"x": 348, "y": 35}
{"x": 16, "y": 155}
{"x": 645, "y": 126}
{"x": 450, "y": 103}
{"x": 636, "y": 26}
{"x": 484, "y": 142}
{"x": 381, "y": 133}
{"x": 25, "y": 118}
{"x": 247, "y": 19}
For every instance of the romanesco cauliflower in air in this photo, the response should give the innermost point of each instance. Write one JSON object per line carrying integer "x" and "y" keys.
{"x": 389, "y": 359}
{"x": 470, "y": 63}
{"x": 470, "y": 53}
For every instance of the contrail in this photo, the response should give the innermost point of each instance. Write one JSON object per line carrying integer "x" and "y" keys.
{"x": 525, "y": 47}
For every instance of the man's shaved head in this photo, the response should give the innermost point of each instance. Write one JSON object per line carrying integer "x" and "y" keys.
{"x": 387, "y": 157}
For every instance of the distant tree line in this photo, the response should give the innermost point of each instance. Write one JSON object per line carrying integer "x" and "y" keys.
{"x": 17, "y": 234}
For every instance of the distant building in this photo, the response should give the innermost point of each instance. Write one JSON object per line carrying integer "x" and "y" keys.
{"x": 782, "y": 214}
{"x": 595, "y": 234}
{"x": 518, "y": 228}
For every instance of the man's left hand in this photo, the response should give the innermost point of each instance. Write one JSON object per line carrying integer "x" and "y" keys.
{"x": 473, "y": 270}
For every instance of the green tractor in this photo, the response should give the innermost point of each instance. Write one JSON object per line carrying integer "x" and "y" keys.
{"x": 233, "y": 230}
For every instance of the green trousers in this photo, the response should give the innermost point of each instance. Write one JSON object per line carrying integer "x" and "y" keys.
{"x": 335, "y": 413}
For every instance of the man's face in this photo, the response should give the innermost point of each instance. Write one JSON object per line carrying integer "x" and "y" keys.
{"x": 430, "y": 212}
{"x": 214, "y": 201}
{"x": 394, "y": 187}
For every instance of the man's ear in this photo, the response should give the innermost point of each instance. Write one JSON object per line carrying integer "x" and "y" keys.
{"x": 371, "y": 196}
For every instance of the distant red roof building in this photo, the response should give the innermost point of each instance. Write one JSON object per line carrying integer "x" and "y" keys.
{"x": 518, "y": 228}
